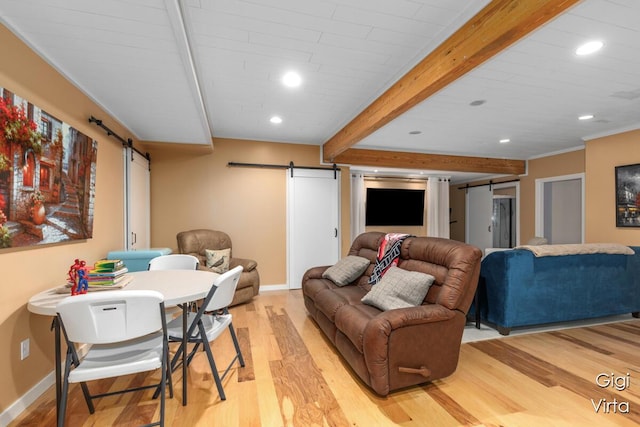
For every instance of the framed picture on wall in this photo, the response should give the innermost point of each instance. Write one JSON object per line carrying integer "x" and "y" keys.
{"x": 628, "y": 196}
{"x": 47, "y": 176}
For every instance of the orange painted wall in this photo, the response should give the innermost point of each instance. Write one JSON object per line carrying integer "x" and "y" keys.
{"x": 603, "y": 155}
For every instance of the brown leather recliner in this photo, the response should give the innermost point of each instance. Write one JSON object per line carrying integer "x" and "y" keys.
{"x": 196, "y": 242}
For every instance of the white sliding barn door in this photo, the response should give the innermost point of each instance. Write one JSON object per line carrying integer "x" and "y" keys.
{"x": 479, "y": 210}
{"x": 481, "y": 219}
{"x": 138, "y": 199}
{"x": 313, "y": 229}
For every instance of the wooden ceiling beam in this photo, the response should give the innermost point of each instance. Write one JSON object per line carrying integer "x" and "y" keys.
{"x": 497, "y": 26}
{"x": 406, "y": 160}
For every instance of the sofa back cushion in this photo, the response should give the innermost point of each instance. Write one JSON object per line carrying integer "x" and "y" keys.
{"x": 366, "y": 246}
{"x": 455, "y": 266}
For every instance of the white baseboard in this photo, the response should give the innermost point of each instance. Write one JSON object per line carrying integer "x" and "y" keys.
{"x": 17, "y": 407}
{"x": 268, "y": 288}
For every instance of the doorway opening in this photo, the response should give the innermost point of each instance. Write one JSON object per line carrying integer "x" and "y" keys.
{"x": 560, "y": 208}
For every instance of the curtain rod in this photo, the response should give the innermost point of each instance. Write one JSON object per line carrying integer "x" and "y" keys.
{"x": 400, "y": 178}
{"x": 291, "y": 166}
{"x": 490, "y": 183}
{"x": 125, "y": 143}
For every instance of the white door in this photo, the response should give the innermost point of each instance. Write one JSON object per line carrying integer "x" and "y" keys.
{"x": 313, "y": 227}
{"x": 138, "y": 197}
{"x": 479, "y": 210}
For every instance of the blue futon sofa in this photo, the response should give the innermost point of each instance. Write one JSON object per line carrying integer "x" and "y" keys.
{"x": 517, "y": 288}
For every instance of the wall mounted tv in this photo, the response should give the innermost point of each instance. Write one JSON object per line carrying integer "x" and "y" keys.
{"x": 392, "y": 206}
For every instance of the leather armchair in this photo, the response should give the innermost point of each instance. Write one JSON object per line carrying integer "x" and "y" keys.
{"x": 196, "y": 242}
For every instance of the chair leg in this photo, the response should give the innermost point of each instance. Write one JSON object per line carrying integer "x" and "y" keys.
{"x": 62, "y": 409}
{"x": 167, "y": 377}
{"x": 193, "y": 353}
{"x": 168, "y": 369}
{"x": 75, "y": 361}
{"x": 212, "y": 363}
{"x": 176, "y": 358}
{"x": 236, "y": 344}
{"x": 87, "y": 397}
{"x": 163, "y": 381}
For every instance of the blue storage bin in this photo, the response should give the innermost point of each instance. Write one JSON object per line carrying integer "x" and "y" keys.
{"x": 138, "y": 260}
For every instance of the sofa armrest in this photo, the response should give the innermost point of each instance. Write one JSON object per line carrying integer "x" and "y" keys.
{"x": 387, "y": 321}
{"x": 314, "y": 273}
{"x": 247, "y": 264}
{"x": 376, "y": 333}
{"x": 401, "y": 338}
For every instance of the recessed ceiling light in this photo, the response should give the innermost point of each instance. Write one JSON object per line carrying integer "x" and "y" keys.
{"x": 275, "y": 120}
{"x": 586, "y": 117}
{"x": 291, "y": 79}
{"x": 504, "y": 140}
{"x": 477, "y": 102}
{"x": 589, "y": 47}
{"x": 415, "y": 132}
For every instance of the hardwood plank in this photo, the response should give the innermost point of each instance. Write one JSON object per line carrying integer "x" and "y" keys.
{"x": 485, "y": 387}
{"x": 497, "y": 26}
{"x": 247, "y": 373}
{"x": 455, "y": 409}
{"x": 305, "y": 398}
{"x": 604, "y": 333}
{"x": 580, "y": 342}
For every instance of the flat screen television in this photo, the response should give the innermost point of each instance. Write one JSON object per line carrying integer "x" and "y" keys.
{"x": 393, "y": 206}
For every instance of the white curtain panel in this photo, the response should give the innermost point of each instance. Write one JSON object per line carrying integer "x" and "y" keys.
{"x": 358, "y": 197}
{"x": 438, "y": 207}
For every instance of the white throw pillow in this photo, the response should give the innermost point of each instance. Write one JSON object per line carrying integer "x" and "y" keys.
{"x": 399, "y": 288}
{"x": 218, "y": 260}
{"x": 347, "y": 270}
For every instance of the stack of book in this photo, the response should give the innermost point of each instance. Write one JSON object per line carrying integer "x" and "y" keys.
{"x": 107, "y": 273}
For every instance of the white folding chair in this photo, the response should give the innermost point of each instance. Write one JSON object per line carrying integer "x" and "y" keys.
{"x": 174, "y": 262}
{"x": 127, "y": 332}
{"x": 211, "y": 319}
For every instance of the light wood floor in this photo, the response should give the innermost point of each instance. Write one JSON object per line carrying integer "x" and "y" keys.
{"x": 294, "y": 378}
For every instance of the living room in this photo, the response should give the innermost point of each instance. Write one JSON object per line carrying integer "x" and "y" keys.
{"x": 194, "y": 188}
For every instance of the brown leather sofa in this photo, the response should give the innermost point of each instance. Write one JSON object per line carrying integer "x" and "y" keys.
{"x": 397, "y": 348}
{"x": 196, "y": 242}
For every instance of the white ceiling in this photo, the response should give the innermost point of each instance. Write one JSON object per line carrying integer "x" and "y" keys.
{"x": 184, "y": 70}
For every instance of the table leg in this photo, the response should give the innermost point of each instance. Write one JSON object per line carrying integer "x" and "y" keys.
{"x": 55, "y": 325}
{"x": 185, "y": 308}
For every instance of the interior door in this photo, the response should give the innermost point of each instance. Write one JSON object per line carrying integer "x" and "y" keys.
{"x": 138, "y": 198}
{"x": 479, "y": 210}
{"x": 313, "y": 227}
